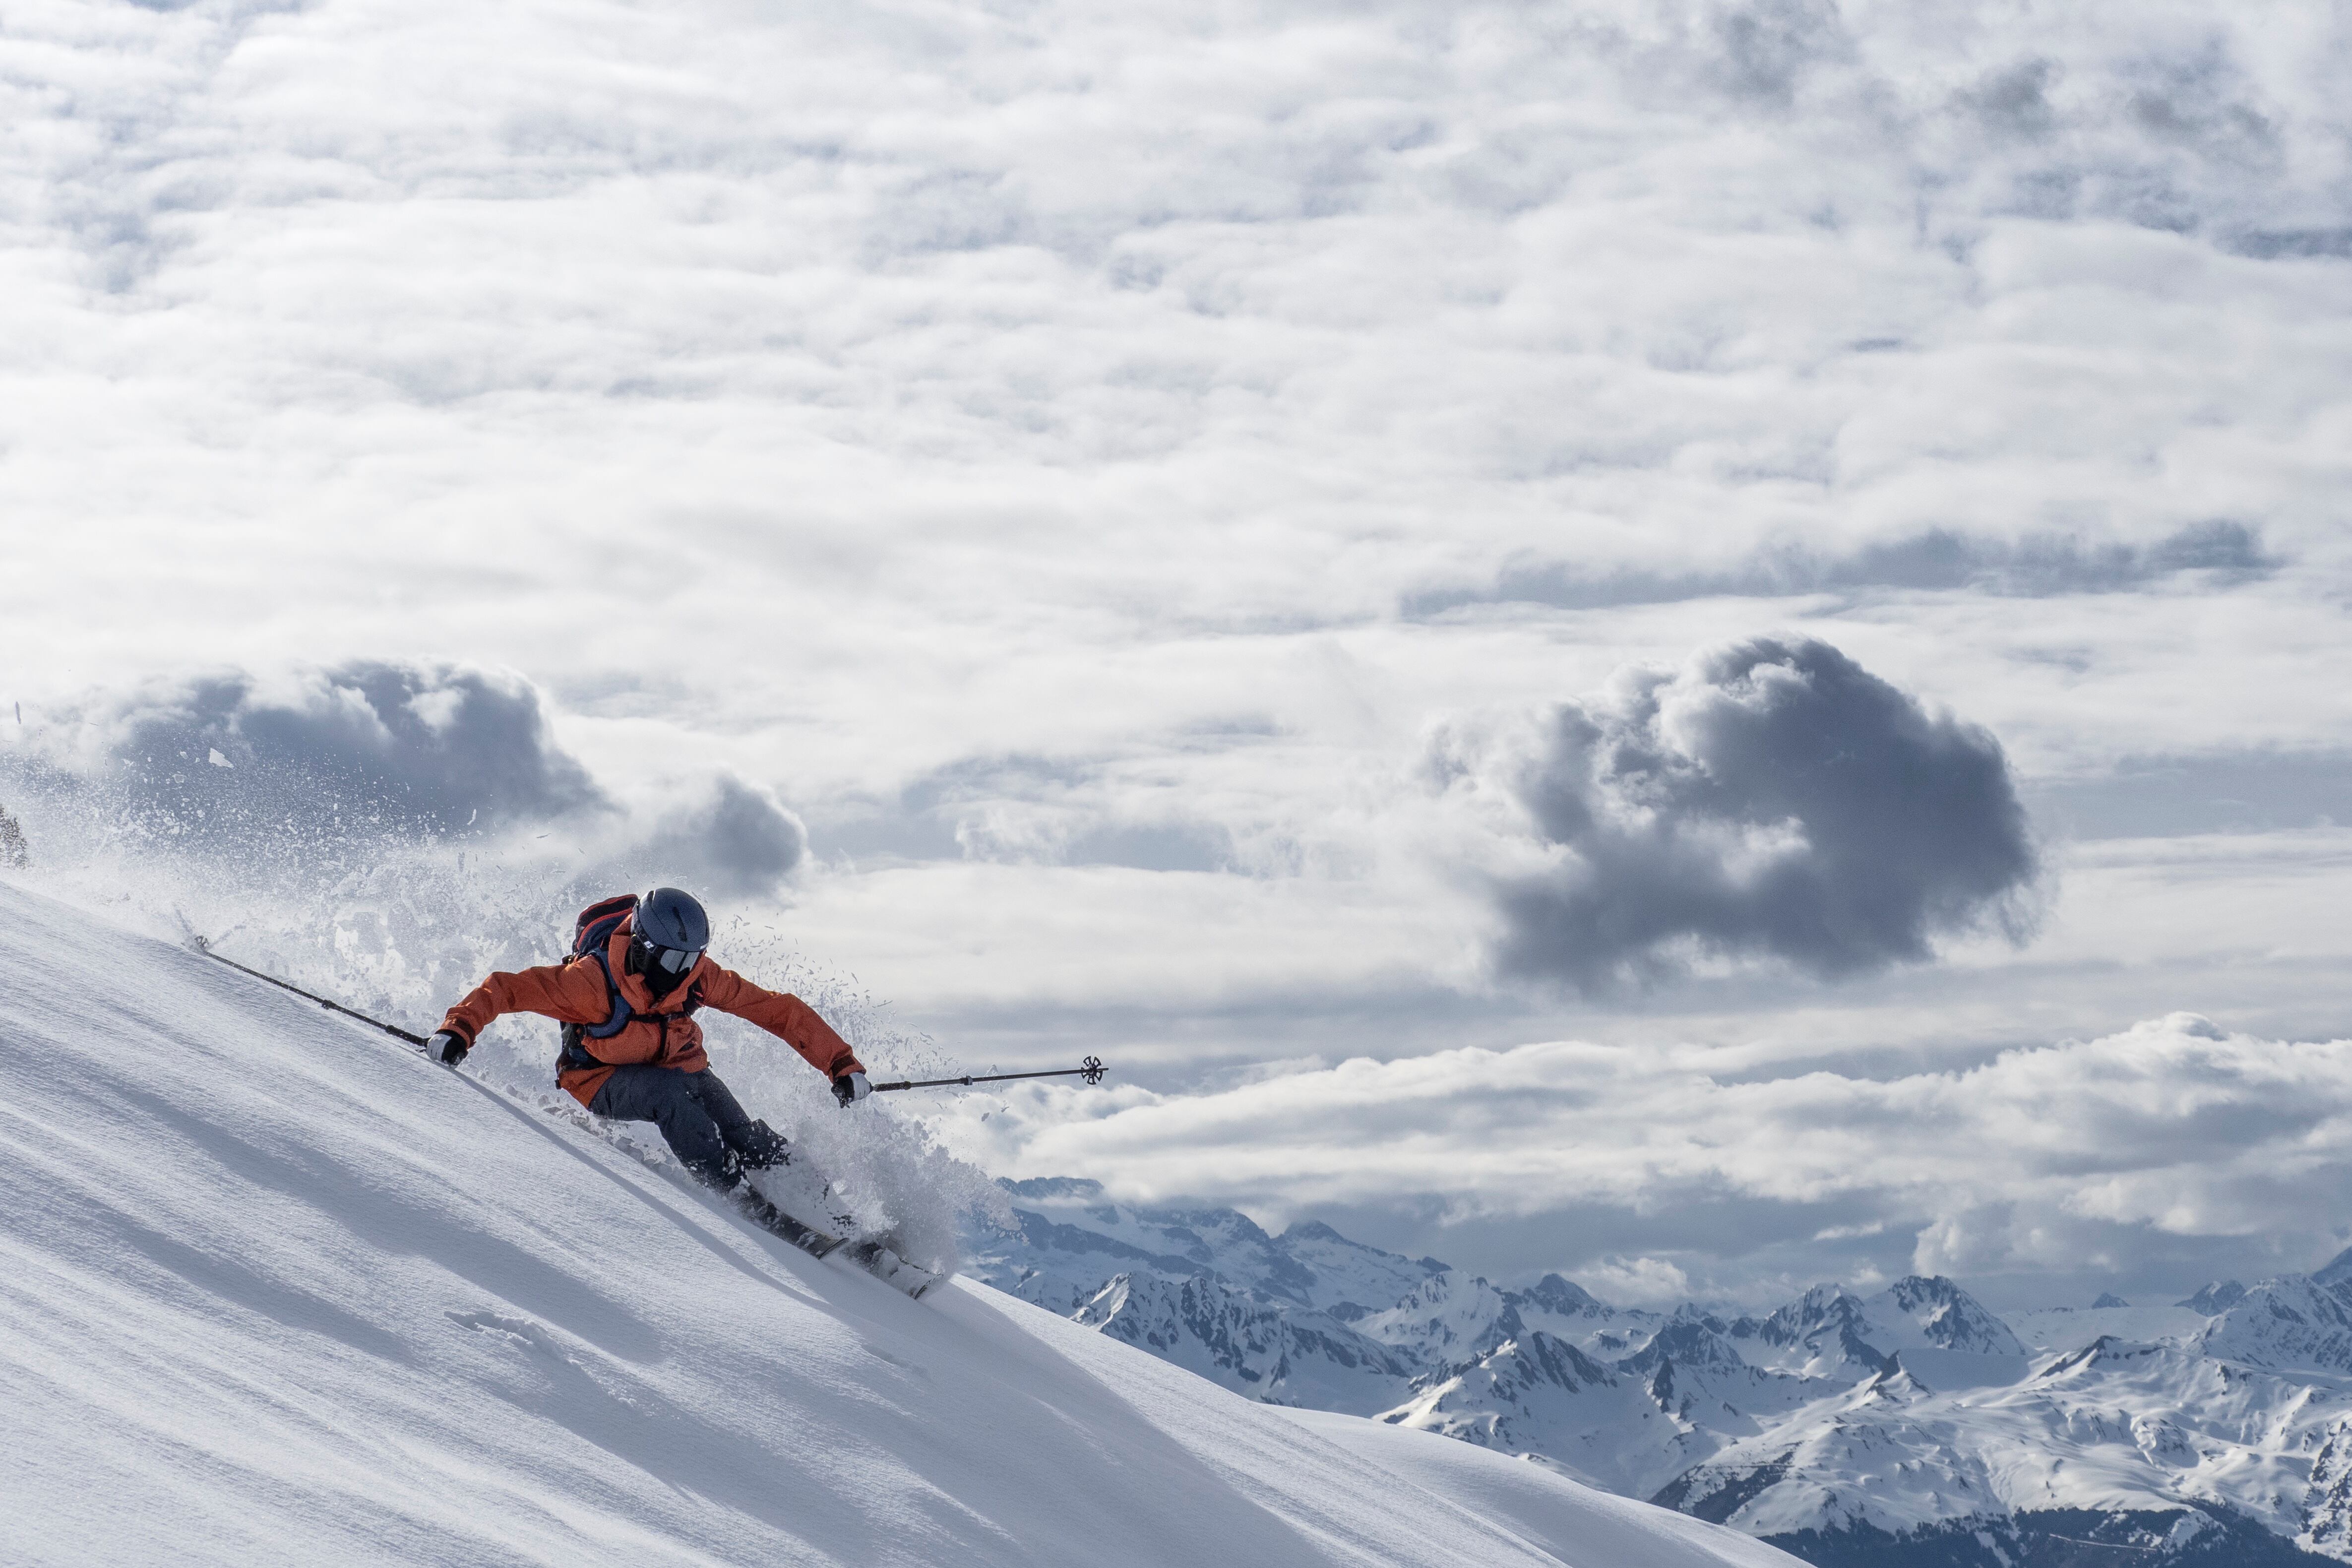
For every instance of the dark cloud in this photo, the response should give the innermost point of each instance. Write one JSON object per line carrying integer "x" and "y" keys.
{"x": 1773, "y": 800}
{"x": 2014, "y": 103}
{"x": 2045, "y": 565}
{"x": 1768, "y": 46}
{"x": 2272, "y": 244}
{"x": 1937, "y": 561}
{"x": 2202, "y": 104}
{"x": 397, "y": 747}
{"x": 737, "y": 842}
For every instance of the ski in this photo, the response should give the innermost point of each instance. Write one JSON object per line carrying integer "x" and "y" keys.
{"x": 890, "y": 1268}
{"x": 776, "y": 1222}
{"x": 871, "y": 1255}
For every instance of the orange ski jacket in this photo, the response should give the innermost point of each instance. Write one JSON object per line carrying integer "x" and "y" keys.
{"x": 574, "y": 993}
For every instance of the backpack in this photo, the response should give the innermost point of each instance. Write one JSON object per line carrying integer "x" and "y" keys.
{"x": 591, "y": 934}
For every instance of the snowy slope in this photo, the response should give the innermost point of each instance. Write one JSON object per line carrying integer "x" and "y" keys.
{"x": 276, "y": 1291}
{"x": 1512, "y": 1490}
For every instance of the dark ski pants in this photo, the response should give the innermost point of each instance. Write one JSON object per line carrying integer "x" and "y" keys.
{"x": 699, "y": 1119}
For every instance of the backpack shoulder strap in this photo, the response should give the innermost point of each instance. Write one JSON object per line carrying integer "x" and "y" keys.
{"x": 621, "y": 1013}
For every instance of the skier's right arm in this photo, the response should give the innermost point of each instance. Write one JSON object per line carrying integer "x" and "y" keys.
{"x": 567, "y": 992}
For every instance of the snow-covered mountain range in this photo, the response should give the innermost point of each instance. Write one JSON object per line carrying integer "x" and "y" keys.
{"x": 1908, "y": 1425}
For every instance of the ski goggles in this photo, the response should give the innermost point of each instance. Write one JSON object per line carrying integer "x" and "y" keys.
{"x": 673, "y": 960}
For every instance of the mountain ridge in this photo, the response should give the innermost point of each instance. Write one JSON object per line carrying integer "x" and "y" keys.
{"x": 1913, "y": 1420}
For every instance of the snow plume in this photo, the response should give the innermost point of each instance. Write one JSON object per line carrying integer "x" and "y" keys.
{"x": 886, "y": 1162}
{"x": 1771, "y": 799}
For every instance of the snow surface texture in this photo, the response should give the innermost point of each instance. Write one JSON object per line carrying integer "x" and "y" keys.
{"x": 1908, "y": 1419}
{"x": 276, "y": 1290}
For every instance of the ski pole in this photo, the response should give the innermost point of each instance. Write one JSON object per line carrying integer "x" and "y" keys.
{"x": 1092, "y": 1071}
{"x": 204, "y": 946}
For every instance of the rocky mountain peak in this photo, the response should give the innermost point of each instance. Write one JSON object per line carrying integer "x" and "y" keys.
{"x": 2295, "y": 1322}
{"x": 1943, "y": 1316}
{"x": 2216, "y": 1298}
{"x": 1554, "y": 1294}
{"x": 1689, "y": 1341}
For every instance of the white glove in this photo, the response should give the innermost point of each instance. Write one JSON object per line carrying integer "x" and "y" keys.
{"x": 850, "y": 1087}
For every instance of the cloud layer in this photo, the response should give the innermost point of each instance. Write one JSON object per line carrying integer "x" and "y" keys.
{"x": 1771, "y": 799}
{"x": 2152, "y": 1155}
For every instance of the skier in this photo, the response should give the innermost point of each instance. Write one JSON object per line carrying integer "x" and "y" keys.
{"x": 631, "y": 1050}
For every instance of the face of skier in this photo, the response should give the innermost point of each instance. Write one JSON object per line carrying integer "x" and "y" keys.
{"x": 661, "y": 968}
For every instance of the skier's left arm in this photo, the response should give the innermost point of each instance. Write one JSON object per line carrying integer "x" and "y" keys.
{"x": 787, "y": 1017}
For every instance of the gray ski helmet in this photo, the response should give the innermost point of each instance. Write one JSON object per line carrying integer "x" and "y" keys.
{"x": 673, "y": 928}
